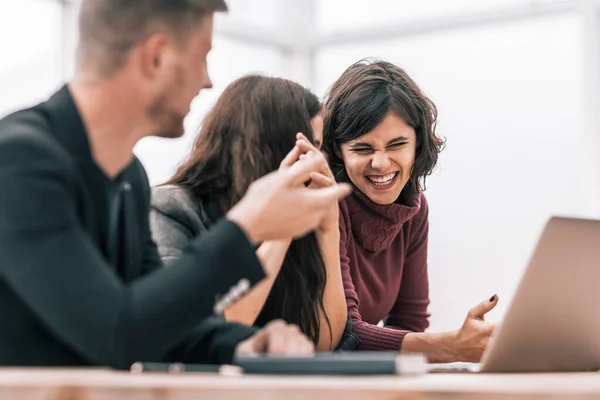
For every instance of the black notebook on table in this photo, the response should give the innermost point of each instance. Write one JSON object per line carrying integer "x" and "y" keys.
{"x": 350, "y": 363}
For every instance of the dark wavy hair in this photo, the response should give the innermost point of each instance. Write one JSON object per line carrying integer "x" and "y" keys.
{"x": 246, "y": 135}
{"x": 359, "y": 101}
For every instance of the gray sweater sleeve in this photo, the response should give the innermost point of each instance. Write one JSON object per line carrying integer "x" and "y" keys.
{"x": 175, "y": 219}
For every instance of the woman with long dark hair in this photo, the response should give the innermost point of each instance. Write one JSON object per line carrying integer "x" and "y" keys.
{"x": 248, "y": 134}
{"x": 380, "y": 136}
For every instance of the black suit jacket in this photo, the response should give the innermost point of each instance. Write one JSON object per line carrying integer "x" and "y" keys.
{"x": 61, "y": 302}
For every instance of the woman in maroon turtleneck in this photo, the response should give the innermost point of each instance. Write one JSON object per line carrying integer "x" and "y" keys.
{"x": 379, "y": 135}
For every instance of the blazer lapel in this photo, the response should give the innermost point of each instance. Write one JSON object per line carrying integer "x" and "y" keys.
{"x": 69, "y": 129}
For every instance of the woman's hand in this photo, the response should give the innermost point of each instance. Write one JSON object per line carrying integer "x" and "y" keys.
{"x": 321, "y": 179}
{"x": 466, "y": 344}
{"x": 473, "y": 337}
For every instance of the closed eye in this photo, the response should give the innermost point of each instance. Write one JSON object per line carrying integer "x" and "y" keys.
{"x": 363, "y": 150}
{"x": 396, "y": 145}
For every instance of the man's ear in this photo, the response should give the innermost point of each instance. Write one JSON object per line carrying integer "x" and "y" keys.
{"x": 153, "y": 54}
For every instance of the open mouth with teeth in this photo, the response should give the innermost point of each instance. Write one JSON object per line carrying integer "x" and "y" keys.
{"x": 382, "y": 181}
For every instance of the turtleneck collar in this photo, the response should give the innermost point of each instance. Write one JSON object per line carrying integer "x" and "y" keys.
{"x": 374, "y": 225}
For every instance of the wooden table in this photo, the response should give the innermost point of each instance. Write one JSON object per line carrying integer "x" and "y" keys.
{"x": 67, "y": 384}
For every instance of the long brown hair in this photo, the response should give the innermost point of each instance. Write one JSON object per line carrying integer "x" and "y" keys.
{"x": 246, "y": 135}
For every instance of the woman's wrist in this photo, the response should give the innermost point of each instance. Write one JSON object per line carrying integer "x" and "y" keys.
{"x": 437, "y": 347}
{"x": 329, "y": 233}
{"x": 271, "y": 255}
{"x": 283, "y": 243}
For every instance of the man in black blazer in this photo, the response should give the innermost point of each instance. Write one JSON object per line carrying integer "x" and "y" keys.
{"x": 81, "y": 282}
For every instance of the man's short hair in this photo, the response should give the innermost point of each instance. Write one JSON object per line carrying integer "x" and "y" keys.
{"x": 109, "y": 29}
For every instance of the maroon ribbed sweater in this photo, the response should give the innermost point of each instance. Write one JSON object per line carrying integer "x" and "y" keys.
{"x": 384, "y": 267}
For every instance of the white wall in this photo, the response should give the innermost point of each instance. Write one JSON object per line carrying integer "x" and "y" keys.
{"x": 30, "y": 57}
{"x": 510, "y": 106}
{"x": 348, "y": 15}
{"x": 265, "y": 14}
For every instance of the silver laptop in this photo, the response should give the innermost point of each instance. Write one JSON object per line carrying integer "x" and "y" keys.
{"x": 553, "y": 321}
